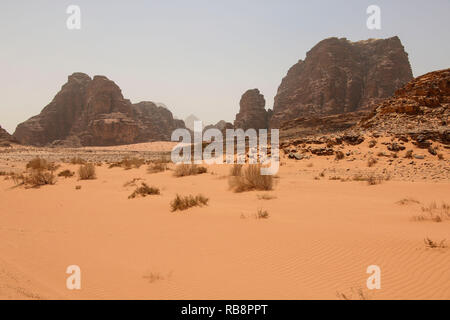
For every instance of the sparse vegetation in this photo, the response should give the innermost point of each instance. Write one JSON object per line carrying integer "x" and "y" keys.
{"x": 143, "y": 191}
{"x": 41, "y": 164}
{"x": 39, "y": 178}
{"x": 370, "y": 178}
{"x": 157, "y": 167}
{"x": 66, "y": 174}
{"x": 87, "y": 172}
{"x": 132, "y": 182}
{"x": 434, "y": 244}
{"x": 128, "y": 163}
{"x": 406, "y": 201}
{"x": 183, "y": 170}
{"x": 262, "y": 214}
{"x": 433, "y": 212}
{"x": 183, "y": 203}
{"x": 251, "y": 178}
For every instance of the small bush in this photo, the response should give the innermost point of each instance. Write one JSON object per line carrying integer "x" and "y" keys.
{"x": 128, "y": 163}
{"x": 144, "y": 190}
{"x": 434, "y": 244}
{"x": 251, "y": 179}
{"x": 66, "y": 174}
{"x": 262, "y": 214}
{"x": 39, "y": 178}
{"x": 41, "y": 164}
{"x": 265, "y": 197}
{"x": 157, "y": 167}
{"x": 435, "y": 213}
{"x": 183, "y": 170}
{"x": 87, "y": 172}
{"x": 184, "y": 203}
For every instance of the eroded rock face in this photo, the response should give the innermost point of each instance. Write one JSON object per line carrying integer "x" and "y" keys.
{"x": 94, "y": 112}
{"x": 420, "y": 109}
{"x": 340, "y": 76}
{"x": 252, "y": 113}
{"x": 5, "y": 137}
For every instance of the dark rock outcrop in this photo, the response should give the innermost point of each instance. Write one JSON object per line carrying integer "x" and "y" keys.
{"x": 252, "y": 112}
{"x": 94, "y": 112}
{"x": 420, "y": 110}
{"x": 340, "y": 76}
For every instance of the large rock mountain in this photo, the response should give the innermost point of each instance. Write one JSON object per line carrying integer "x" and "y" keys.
{"x": 339, "y": 76}
{"x": 252, "y": 112}
{"x": 94, "y": 112}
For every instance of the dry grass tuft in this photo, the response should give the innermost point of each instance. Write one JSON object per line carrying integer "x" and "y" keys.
{"x": 434, "y": 244}
{"x": 66, "y": 174}
{"x": 144, "y": 190}
{"x": 87, "y": 172}
{"x": 157, "y": 167}
{"x": 251, "y": 179}
{"x": 435, "y": 213}
{"x": 128, "y": 163}
{"x": 371, "y": 178}
{"x": 262, "y": 214}
{"x": 407, "y": 201}
{"x": 41, "y": 164}
{"x": 183, "y": 203}
{"x": 183, "y": 170}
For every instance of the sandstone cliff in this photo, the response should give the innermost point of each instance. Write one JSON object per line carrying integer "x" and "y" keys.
{"x": 340, "y": 76}
{"x": 94, "y": 112}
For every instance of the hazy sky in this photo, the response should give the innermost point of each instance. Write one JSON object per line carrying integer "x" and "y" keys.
{"x": 195, "y": 56}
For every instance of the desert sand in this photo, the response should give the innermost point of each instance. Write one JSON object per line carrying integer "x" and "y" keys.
{"x": 324, "y": 229}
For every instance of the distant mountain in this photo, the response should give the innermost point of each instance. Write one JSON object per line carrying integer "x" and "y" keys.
{"x": 91, "y": 112}
{"x": 5, "y": 137}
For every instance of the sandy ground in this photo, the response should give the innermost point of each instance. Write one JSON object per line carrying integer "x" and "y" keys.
{"x": 318, "y": 241}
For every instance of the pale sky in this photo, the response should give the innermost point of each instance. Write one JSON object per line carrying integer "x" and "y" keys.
{"x": 196, "y": 56}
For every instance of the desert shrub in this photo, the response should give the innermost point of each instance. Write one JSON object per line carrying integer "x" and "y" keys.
{"x": 434, "y": 244}
{"x": 262, "y": 214}
{"x": 339, "y": 155}
{"x": 41, "y": 164}
{"x": 157, "y": 167}
{"x": 371, "y": 162}
{"x": 77, "y": 160}
{"x": 370, "y": 178}
{"x": 87, "y": 172}
{"x": 77, "y": 187}
{"x": 66, "y": 174}
{"x": 183, "y": 170}
{"x": 251, "y": 179}
{"x": 435, "y": 213}
{"x": 128, "y": 163}
{"x": 186, "y": 202}
{"x": 39, "y": 178}
{"x": 236, "y": 170}
{"x": 143, "y": 191}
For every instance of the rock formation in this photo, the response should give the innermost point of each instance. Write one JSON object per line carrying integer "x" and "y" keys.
{"x": 340, "y": 76}
{"x": 5, "y": 137}
{"x": 420, "y": 110}
{"x": 252, "y": 113}
{"x": 94, "y": 112}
